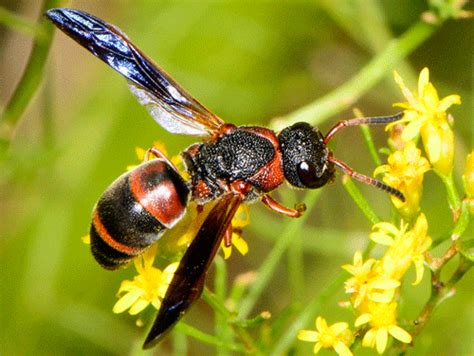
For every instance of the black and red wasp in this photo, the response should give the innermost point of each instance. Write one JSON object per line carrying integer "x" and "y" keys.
{"x": 233, "y": 165}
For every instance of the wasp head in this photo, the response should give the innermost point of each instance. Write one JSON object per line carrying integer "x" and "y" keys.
{"x": 305, "y": 156}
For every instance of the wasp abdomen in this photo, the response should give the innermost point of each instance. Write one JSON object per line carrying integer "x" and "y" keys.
{"x": 135, "y": 211}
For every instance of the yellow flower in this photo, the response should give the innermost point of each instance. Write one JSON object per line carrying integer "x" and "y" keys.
{"x": 149, "y": 286}
{"x": 240, "y": 220}
{"x": 367, "y": 283}
{"x": 382, "y": 319}
{"x": 405, "y": 247}
{"x": 405, "y": 171}
{"x": 337, "y": 336}
{"x": 86, "y": 239}
{"x": 425, "y": 114}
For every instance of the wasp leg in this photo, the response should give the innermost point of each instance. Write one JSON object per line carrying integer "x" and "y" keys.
{"x": 158, "y": 154}
{"x": 281, "y": 209}
{"x": 228, "y": 236}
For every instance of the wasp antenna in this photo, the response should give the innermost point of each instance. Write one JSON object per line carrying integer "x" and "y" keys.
{"x": 367, "y": 180}
{"x": 374, "y": 120}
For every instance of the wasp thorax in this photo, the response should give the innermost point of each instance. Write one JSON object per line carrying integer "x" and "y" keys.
{"x": 305, "y": 156}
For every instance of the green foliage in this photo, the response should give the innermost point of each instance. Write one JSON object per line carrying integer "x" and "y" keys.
{"x": 249, "y": 63}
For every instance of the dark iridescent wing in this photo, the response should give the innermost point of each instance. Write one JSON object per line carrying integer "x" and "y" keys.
{"x": 169, "y": 104}
{"x": 188, "y": 281}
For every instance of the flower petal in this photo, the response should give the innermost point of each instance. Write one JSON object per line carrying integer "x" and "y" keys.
{"x": 227, "y": 251}
{"x": 369, "y": 338}
{"x": 381, "y": 238}
{"x": 385, "y": 297}
{"x": 317, "y": 347}
{"x": 447, "y": 101}
{"x": 338, "y": 328}
{"x": 321, "y": 324}
{"x": 308, "y": 335}
{"x": 139, "y": 305}
{"x": 418, "y": 261}
{"x": 126, "y": 301}
{"x": 399, "y": 334}
{"x": 385, "y": 283}
{"x": 381, "y": 340}
{"x": 423, "y": 79}
{"x": 156, "y": 303}
{"x": 363, "y": 319}
{"x": 342, "y": 349}
{"x": 387, "y": 228}
{"x": 412, "y": 130}
{"x": 240, "y": 244}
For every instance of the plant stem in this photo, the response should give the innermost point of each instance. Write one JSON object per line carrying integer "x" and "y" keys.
{"x": 307, "y": 315}
{"x": 267, "y": 270}
{"x": 32, "y": 75}
{"x": 206, "y": 338}
{"x": 439, "y": 293}
{"x": 221, "y": 329}
{"x": 360, "y": 200}
{"x": 348, "y": 93}
{"x": 463, "y": 221}
{"x": 369, "y": 142}
{"x": 240, "y": 331}
{"x": 453, "y": 195}
{"x": 21, "y": 24}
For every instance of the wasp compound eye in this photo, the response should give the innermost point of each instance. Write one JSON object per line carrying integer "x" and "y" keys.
{"x": 310, "y": 176}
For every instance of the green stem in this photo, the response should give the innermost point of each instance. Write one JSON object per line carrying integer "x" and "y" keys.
{"x": 307, "y": 315}
{"x": 439, "y": 293}
{"x": 206, "y": 338}
{"x": 32, "y": 75}
{"x": 360, "y": 200}
{"x": 21, "y": 24}
{"x": 295, "y": 267}
{"x": 216, "y": 304}
{"x": 453, "y": 196}
{"x": 180, "y": 346}
{"x": 267, "y": 269}
{"x": 219, "y": 307}
{"x": 369, "y": 142}
{"x": 221, "y": 330}
{"x": 463, "y": 221}
{"x": 348, "y": 93}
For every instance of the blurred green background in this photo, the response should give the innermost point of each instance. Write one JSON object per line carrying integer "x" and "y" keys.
{"x": 249, "y": 62}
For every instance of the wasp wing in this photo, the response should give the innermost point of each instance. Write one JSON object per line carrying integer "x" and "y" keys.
{"x": 169, "y": 104}
{"x": 188, "y": 281}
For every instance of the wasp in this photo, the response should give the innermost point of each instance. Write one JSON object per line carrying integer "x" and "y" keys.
{"x": 232, "y": 165}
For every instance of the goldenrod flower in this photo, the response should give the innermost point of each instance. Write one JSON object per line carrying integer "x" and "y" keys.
{"x": 426, "y": 114}
{"x": 367, "y": 283}
{"x": 405, "y": 171}
{"x": 382, "y": 319}
{"x": 149, "y": 286}
{"x": 337, "y": 336}
{"x": 405, "y": 247}
{"x": 240, "y": 220}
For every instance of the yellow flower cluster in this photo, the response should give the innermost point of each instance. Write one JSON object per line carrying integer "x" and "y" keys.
{"x": 374, "y": 285}
{"x": 148, "y": 287}
{"x": 337, "y": 337}
{"x": 425, "y": 115}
